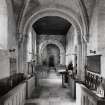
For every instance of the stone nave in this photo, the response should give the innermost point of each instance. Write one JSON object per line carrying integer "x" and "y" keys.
{"x": 52, "y": 52}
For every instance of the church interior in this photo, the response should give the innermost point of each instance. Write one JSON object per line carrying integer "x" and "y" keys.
{"x": 52, "y": 52}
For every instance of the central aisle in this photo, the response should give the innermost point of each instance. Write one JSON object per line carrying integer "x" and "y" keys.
{"x": 51, "y": 92}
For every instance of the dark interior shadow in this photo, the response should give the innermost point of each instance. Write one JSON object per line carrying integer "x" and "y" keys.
{"x": 31, "y": 104}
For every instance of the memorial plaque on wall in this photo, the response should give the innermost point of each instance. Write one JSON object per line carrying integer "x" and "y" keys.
{"x": 94, "y": 63}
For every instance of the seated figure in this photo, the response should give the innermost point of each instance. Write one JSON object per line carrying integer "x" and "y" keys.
{"x": 70, "y": 66}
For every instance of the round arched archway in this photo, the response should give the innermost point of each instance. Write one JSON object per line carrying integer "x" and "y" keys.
{"x": 65, "y": 13}
{"x": 53, "y": 10}
{"x": 51, "y": 55}
{"x": 58, "y": 44}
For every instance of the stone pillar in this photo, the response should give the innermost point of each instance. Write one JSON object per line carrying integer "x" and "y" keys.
{"x": 63, "y": 59}
{"x": 82, "y": 53}
{"x": 81, "y": 58}
{"x": 85, "y": 56}
{"x": 79, "y": 61}
{"x": 25, "y": 55}
{"x": 19, "y": 37}
{"x": 19, "y": 58}
{"x": 22, "y": 54}
{"x": 84, "y": 50}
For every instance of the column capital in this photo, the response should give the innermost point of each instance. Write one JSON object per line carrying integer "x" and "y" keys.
{"x": 20, "y": 37}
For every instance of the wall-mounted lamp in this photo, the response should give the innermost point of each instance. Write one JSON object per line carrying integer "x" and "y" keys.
{"x": 12, "y": 50}
{"x": 93, "y": 51}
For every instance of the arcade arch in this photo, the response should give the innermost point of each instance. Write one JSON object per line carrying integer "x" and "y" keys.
{"x": 74, "y": 19}
{"x": 58, "y": 44}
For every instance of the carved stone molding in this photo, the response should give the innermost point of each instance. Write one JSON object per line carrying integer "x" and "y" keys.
{"x": 20, "y": 38}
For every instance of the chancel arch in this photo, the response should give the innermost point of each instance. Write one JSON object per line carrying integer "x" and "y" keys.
{"x": 54, "y": 42}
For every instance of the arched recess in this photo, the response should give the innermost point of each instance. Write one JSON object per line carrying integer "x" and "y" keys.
{"x": 58, "y": 44}
{"x": 67, "y": 14}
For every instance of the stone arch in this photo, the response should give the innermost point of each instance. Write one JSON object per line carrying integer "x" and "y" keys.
{"x": 58, "y": 44}
{"x": 64, "y": 13}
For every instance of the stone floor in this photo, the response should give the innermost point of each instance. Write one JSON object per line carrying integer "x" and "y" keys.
{"x": 51, "y": 92}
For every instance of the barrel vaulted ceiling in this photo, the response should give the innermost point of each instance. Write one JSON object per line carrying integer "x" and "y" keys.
{"x": 51, "y": 25}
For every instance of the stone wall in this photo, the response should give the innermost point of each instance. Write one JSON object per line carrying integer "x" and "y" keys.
{"x": 7, "y": 37}
{"x": 93, "y": 32}
{"x": 51, "y": 50}
{"x": 29, "y": 47}
{"x": 11, "y": 42}
{"x": 89, "y": 4}
{"x": 70, "y": 45}
{"x": 67, "y": 3}
{"x": 97, "y": 33}
{"x": 7, "y": 25}
{"x": 4, "y": 64}
{"x": 3, "y": 24}
{"x": 59, "y": 38}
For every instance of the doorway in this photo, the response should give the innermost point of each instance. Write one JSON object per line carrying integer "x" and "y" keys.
{"x": 51, "y": 61}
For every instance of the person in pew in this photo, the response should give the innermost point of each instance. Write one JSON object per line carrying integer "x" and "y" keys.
{"x": 70, "y": 68}
{"x": 69, "y": 72}
{"x": 74, "y": 71}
